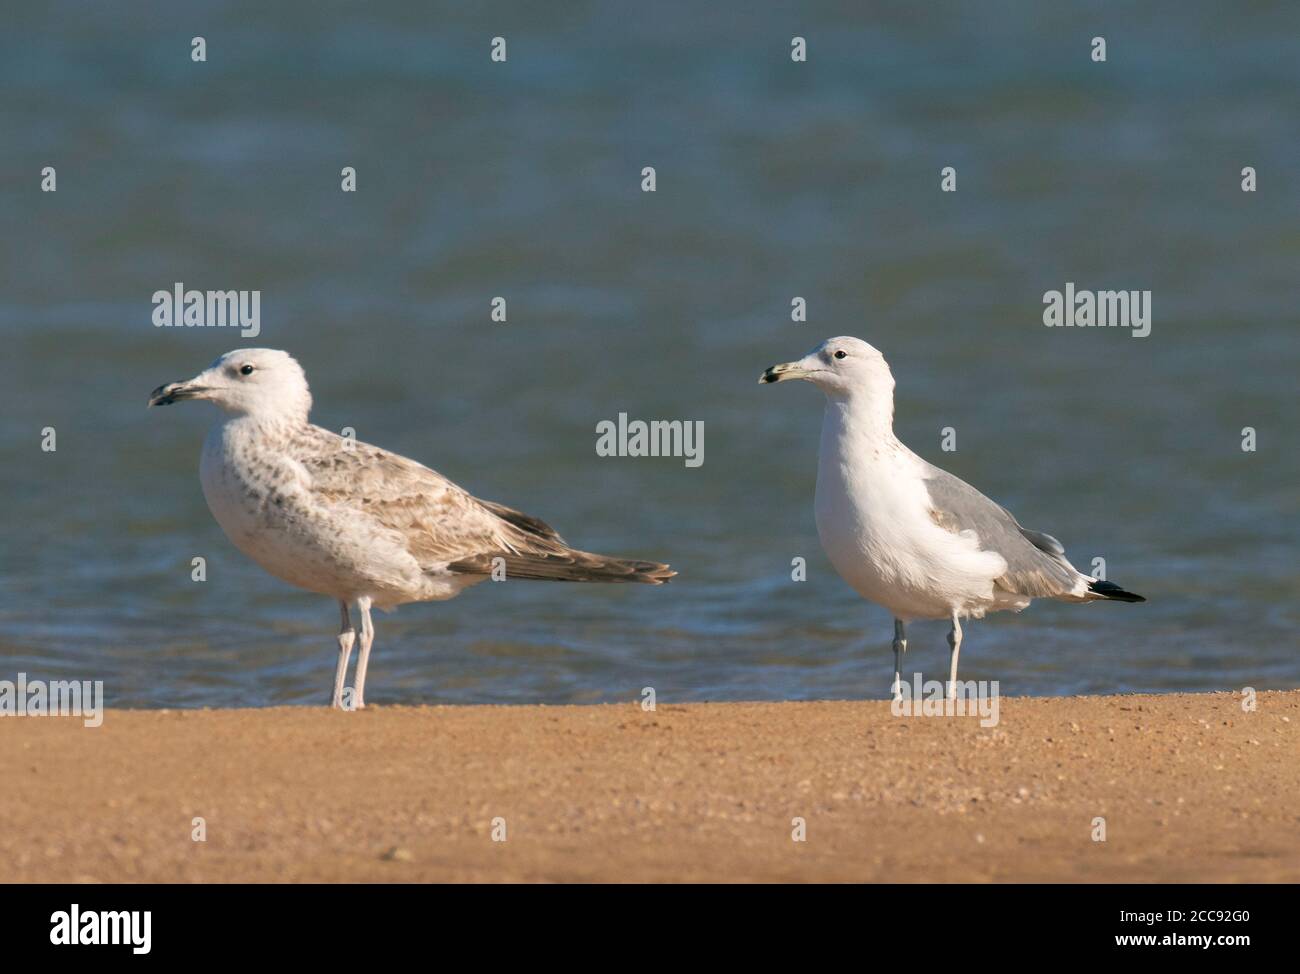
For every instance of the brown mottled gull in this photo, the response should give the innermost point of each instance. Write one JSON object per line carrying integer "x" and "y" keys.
{"x": 354, "y": 522}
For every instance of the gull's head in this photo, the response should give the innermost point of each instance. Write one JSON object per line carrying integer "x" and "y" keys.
{"x": 262, "y": 382}
{"x": 841, "y": 368}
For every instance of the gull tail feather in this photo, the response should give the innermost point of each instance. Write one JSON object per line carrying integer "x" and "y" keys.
{"x": 1111, "y": 592}
{"x": 567, "y": 565}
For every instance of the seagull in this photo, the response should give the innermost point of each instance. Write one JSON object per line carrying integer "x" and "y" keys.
{"x": 909, "y": 536}
{"x": 342, "y": 518}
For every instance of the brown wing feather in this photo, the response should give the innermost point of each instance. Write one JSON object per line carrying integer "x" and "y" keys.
{"x": 437, "y": 521}
{"x": 443, "y": 526}
{"x": 568, "y": 565}
{"x": 525, "y": 522}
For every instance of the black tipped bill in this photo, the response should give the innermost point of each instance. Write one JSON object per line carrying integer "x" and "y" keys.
{"x": 779, "y": 373}
{"x": 172, "y": 392}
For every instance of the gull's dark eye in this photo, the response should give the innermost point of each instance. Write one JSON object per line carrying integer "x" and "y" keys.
{"x": 246, "y": 370}
{"x": 841, "y": 354}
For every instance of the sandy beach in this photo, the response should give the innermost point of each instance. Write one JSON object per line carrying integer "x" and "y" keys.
{"x": 1191, "y": 788}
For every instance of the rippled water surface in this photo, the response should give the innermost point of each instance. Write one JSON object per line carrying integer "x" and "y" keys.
{"x": 775, "y": 179}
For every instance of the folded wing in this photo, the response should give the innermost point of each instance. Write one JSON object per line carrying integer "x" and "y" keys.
{"x": 444, "y": 527}
{"x": 1036, "y": 562}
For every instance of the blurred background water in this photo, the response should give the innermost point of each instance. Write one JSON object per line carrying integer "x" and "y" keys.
{"x": 775, "y": 179}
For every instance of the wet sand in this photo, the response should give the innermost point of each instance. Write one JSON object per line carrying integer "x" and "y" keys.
{"x": 1190, "y": 786}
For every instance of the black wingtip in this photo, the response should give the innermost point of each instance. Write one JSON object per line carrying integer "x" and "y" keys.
{"x": 1109, "y": 590}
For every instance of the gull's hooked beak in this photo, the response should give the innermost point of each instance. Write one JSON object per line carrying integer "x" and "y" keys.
{"x": 172, "y": 392}
{"x": 786, "y": 370}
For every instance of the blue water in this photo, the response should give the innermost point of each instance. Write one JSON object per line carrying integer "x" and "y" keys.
{"x": 775, "y": 179}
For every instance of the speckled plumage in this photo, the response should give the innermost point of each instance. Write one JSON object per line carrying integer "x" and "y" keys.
{"x": 352, "y": 521}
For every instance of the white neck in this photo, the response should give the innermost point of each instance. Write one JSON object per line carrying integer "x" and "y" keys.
{"x": 860, "y": 417}
{"x": 262, "y": 425}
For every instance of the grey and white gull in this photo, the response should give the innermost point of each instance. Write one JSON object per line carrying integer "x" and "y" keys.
{"x": 364, "y": 526}
{"x": 909, "y": 536}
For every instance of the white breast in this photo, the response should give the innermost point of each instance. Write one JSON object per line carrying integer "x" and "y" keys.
{"x": 873, "y": 518}
{"x": 262, "y": 500}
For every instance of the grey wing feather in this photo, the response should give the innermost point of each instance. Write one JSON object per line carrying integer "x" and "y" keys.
{"x": 1041, "y": 541}
{"x": 1036, "y": 562}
